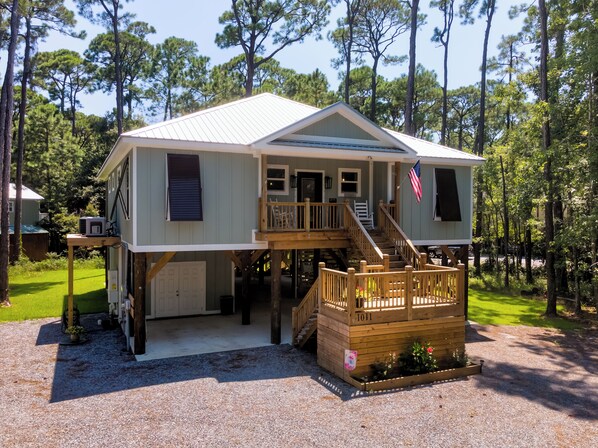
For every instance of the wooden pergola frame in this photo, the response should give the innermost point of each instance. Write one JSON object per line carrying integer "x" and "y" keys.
{"x": 77, "y": 240}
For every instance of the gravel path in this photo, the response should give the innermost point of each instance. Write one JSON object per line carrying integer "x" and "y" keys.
{"x": 539, "y": 388}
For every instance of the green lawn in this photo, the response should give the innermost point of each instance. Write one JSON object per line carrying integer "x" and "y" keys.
{"x": 44, "y": 294}
{"x": 496, "y": 308}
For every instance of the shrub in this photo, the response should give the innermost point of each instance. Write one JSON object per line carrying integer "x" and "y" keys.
{"x": 419, "y": 359}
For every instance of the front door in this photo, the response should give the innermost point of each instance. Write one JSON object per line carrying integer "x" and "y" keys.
{"x": 309, "y": 186}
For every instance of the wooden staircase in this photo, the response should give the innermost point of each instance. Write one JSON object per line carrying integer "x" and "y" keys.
{"x": 386, "y": 245}
{"x": 396, "y": 262}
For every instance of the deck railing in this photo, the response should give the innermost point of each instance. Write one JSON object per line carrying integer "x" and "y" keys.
{"x": 401, "y": 242}
{"x": 303, "y": 216}
{"x": 378, "y": 297}
{"x": 362, "y": 239}
{"x": 302, "y": 312}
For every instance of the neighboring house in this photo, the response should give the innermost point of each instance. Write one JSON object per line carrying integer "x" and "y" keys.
{"x": 34, "y": 238}
{"x": 269, "y": 174}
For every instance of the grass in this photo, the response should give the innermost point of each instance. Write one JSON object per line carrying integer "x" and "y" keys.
{"x": 488, "y": 307}
{"x": 43, "y": 293}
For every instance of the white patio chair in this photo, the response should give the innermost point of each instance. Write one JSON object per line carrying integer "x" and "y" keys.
{"x": 282, "y": 219}
{"x": 366, "y": 218}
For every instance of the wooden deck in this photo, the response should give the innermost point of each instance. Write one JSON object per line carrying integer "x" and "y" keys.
{"x": 378, "y": 313}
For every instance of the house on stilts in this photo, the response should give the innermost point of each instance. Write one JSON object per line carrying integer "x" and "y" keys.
{"x": 198, "y": 198}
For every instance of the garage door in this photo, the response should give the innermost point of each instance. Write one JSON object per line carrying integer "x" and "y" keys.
{"x": 179, "y": 289}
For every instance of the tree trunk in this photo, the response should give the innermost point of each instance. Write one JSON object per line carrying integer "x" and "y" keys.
{"x": 15, "y": 250}
{"x": 480, "y": 138}
{"x": 118, "y": 71}
{"x": 506, "y": 222}
{"x": 411, "y": 76}
{"x": 548, "y": 175}
{"x": 6, "y": 111}
{"x": 448, "y": 22}
{"x": 374, "y": 90}
{"x": 529, "y": 279}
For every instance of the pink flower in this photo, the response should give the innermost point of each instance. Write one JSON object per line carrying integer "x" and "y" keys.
{"x": 430, "y": 349}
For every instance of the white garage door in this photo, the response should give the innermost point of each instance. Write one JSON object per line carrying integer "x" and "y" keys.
{"x": 179, "y": 289}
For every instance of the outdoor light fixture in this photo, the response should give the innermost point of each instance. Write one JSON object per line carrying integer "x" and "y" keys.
{"x": 293, "y": 181}
{"x": 328, "y": 182}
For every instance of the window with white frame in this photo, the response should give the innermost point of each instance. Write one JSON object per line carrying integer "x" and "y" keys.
{"x": 349, "y": 182}
{"x": 277, "y": 178}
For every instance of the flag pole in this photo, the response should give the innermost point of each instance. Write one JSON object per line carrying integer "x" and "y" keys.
{"x": 399, "y": 187}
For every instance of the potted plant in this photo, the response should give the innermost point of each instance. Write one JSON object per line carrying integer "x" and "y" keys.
{"x": 75, "y": 331}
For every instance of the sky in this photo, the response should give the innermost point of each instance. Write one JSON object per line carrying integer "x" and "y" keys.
{"x": 197, "y": 20}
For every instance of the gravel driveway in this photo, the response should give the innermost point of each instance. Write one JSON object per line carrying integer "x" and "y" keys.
{"x": 539, "y": 388}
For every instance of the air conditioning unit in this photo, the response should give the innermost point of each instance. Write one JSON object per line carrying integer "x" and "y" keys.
{"x": 92, "y": 226}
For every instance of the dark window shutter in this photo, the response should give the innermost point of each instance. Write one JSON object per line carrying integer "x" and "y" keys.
{"x": 184, "y": 188}
{"x": 447, "y": 195}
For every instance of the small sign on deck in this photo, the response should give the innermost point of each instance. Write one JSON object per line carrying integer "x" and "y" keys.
{"x": 350, "y": 359}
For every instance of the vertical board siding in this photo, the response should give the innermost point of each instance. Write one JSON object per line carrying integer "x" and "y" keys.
{"x": 380, "y": 183}
{"x": 218, "y": 276}
{"x": 417, "y": 220}
{"x": 229, "y": 196}
{"x": 330, "y": 168}
{"x": 125, "y": 227}
{"x": 336, "y": 126}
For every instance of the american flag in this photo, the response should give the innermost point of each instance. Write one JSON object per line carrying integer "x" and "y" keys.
{"x": 416, "y": 183}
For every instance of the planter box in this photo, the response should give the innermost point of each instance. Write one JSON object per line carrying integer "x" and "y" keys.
{"x": 415, "y": 380}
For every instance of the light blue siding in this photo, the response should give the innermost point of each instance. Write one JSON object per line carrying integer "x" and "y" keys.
{"x": 417, "y": 220}
{"x": 229, "y": 197}
{"x": 218, "y": 276}
{"x": 336, "y": 126}
{"x": 329, "y": 168}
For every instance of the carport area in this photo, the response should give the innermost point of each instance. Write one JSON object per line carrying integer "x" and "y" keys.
{"x": 170, "y": 338}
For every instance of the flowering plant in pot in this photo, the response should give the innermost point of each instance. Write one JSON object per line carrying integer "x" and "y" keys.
{"x": 75, "y": 331}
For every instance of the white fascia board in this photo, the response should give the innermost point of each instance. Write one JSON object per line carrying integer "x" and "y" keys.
{"x": 197, "y": 247}
{"x": 451, "y": 161}
{"x": 440, "y": 242}
{"x": 125, "y": 143}
{"x": 347, "y": 112}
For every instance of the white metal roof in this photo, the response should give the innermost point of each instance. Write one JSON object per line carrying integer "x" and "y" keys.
{"x": 240, "y": 122}
{"x": 248, "y": 125}
{"x": 26, "y": 193}
{"x": 429, "y": 150}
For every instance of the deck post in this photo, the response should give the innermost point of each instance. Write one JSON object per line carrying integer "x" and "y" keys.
{"x": 397, "y": 194}
{"x": 71, "y": 283}
{"x": 264, "y": 194}
{"x": 275, "y": 318}
{"x": 409, "y": 291}
{"x": 380, "y": 214}
{"x": 307, "y": 215}
{"x": 461, "y": 287}
{"x": 351, "y": 285}
{"x": 386, "y": 262}
{"x": 245, "y": 285}
{"x": 139, "y": 329}
{"x": 321, "y": 284}
{"x": 465, "y": 260}
{"x": 363, "y": 266}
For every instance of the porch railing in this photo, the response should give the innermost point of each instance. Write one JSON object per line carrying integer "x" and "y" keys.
{"x": 302, "y": 216}
{"x": 401, "y": 242}
{"x": 302, "y": 312}
{"x": 378, "y": 297}
{"x": 362, "y": 239}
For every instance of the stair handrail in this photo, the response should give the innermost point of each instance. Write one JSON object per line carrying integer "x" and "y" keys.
{"x": 302, "y": 312}
{"x": 361, "y": 238}
{"x": 402, "y": 243}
